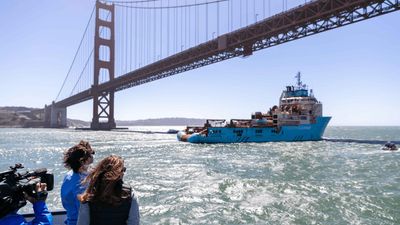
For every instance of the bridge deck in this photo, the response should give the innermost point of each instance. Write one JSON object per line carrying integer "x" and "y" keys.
{"x": 311, "y": 18}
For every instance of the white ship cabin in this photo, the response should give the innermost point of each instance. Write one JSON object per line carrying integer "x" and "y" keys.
{"x": 297, "y": 105}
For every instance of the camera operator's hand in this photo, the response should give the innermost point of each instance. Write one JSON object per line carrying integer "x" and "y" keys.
{"x": 40, "y": 193}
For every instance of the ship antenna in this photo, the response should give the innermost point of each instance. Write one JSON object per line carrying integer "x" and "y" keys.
{"x": 298, "y": 76}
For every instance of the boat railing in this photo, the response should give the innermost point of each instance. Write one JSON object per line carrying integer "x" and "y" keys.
{"x": 289, "y": 122}
{"x": 215, "y": 123}
{"x": 193, "y": 129}
{"x": 240, "y": 123}
{"x": 58, "y": 217}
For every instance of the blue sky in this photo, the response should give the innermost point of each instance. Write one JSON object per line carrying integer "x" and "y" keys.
{"x": 353, "y": 70}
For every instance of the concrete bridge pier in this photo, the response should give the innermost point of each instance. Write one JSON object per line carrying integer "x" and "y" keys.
{"x": 55, "y": 116}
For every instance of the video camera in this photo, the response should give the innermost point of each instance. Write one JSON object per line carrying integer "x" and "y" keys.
{"x": 13, "y": 185}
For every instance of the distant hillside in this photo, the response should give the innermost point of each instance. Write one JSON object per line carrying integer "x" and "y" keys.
{"x": 17, "y": 109}
{"x": 77, "y": 123}
{"x": 146, "y": 122}
{"x": 162, "y": 122}
{"x": 19, "y": 116}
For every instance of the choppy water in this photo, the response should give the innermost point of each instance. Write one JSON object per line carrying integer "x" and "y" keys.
{"x": 269, "y": 183}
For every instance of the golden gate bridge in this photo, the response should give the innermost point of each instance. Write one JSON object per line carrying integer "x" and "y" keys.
{"x": 129, "y": 43}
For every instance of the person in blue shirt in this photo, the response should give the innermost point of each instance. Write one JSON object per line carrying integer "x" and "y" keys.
{"x": 77, "y": 159}
{"x": 42, "y": 214}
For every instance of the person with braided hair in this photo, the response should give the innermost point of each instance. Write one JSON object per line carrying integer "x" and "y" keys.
{"x": 77, "y": 159}
{"x": 106, "y": 200}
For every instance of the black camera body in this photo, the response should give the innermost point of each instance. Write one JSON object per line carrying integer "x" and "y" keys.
{"x": 13, "y": 185}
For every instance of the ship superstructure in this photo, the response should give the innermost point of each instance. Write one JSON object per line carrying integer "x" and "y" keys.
{"x": 297, "y": 105}
{"x": 298, "y": 117}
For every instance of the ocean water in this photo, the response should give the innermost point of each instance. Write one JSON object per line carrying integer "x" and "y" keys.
{"x": 320, "y": 182}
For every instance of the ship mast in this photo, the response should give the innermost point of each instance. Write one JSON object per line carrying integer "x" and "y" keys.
{"x": 298, "y": 76}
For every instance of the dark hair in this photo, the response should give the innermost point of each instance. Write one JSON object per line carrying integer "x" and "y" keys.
{"x": 76, "y": 156}
{"x": 105, "y": 182}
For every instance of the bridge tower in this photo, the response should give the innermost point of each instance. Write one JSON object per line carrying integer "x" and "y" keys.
{"x": 103, "y": 101}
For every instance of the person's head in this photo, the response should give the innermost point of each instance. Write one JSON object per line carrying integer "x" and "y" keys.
{"x": 105, "y": 182}
{"x": 78, "y": 156}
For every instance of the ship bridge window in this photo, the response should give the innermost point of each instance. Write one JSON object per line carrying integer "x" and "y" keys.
{"x": 259, "y": 131}
{"x": 303, "y": 117}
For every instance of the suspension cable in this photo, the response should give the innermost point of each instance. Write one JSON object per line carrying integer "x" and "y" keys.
{"x": 88, "y": 60}
{"x": 168, "y": 7}
{"x": 130, "y": 2}
{"x": 80, "y": 76}
{"x": 76, "y": 54}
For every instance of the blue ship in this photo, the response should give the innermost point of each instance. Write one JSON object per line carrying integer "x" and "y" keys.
{"x": 297, "y": 118}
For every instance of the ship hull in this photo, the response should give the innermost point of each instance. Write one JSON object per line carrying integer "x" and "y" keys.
{"x": 302, "y": 132}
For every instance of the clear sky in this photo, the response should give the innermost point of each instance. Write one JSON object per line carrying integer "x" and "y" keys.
{"x": 353, "y": 70}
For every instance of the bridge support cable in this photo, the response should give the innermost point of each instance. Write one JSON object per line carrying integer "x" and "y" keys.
{"x": 103, "y": 100}
{"x": 77, "y": 53}
{"x": 308, "y": 19}
{"x": 165, "y": 27}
